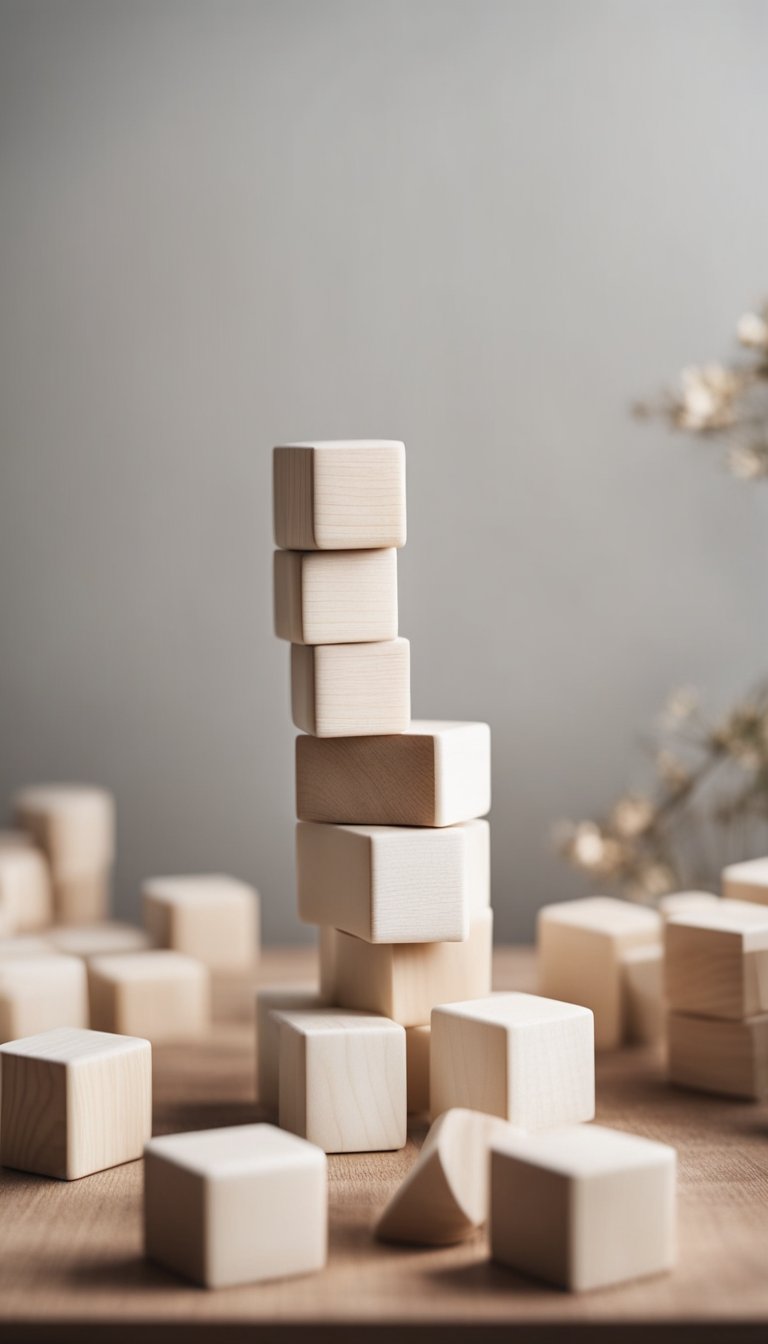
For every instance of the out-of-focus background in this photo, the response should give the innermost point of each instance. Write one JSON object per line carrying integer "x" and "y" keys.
{"x": 482, "y": 226}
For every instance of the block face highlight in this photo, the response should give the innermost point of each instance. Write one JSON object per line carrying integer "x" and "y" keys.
{"x": 747, "y": 881}
{"x": 335, "y": 597}
{"x": 334, "y": 496}
{"x": 716, "y": 961}
{"x": 38, "y": 993}
{"x": 729, "y": 1058}
{"x": 269, "y": 999}
{"x": 351, "y": 690}
{"x": 211, "y": 917}
{"x": 164, "y": 996}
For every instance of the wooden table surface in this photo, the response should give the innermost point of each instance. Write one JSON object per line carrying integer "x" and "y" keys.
{"x": 71, "y": 1263}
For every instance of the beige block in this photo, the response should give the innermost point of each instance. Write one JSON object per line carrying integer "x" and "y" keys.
{"x": 580, "y": 947}
{"x": 268, "y": 999}
{"x": 25, "y": 946}
{"x": 39, "y": 993}
{"x": 212, "y": 918}
{"x": 527, "y": 1059}
{"x": 715, "y": 1055}
{"x": 339, "y": 496}
{"x": 351, "y": 690}
{"x": 583, "y": 1207}
{"x": 343, "y": 1080}
{"x": 417, "y": 1068}
{"x": 74, "y": 825}
{"x": 405, "y": 981}
{"x": 432, "y": 774}
{"x": 162, "y": 995}
{"x": 82, "y": 900}
{"x": 26, "y": 902}
{"x": 716, "y": 961}
{"x": 74, "y": 1102}
{"x": 98, "y": 940}
{"x": 747, "y": 881}
{"x": 644, "y": 991}
{"x": 685, "y": 903}
{"x": 335, "y": 597}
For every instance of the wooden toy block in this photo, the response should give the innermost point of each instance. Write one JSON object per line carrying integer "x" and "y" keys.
{"x": 162, "y": 995}
{"x": 644, "y": 991}
{"x": 335, "y": 597}
{"x": 583, "y": 1207}
{"x": 212, "y": 918}
{"x": 714, "y": 1055}
{"x": 685, "y": 903}
{"x": 74, "y": 1102}
{"x": 26, "y": 902}
{"x": 417, "y": 1069}
{"x": 527, "y": 1059}
{"x": 73, "y": 824}
{"x": 98, "y": 940}
{"x": 432, "y": 774}
{"x": 268, "y": 999}
{"x": 235, "y": 1205}
{"x": 716, "y": 961}
{"x": 444, "y": 1197}
{"x": 16, "y": 838}
{"x": 339, "y": 496}
{"x": 747, "y": 881}
{"x": 82, "y": 900}
{"x": 342, "y": 1080}
{"x": 351, "y": 690}
{"x": 580, "y": 948}
{"x": 327, "y": 942}
{"x": 25, "y": 945}
{"x": 404, "y": 981}
{"x": 39, "y": 993}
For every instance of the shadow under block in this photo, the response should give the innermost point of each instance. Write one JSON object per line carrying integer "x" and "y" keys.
{"x": 343, "y": 1080}
{"x": 74, "y": 1102}
{"x": 714, "y": 1055}
{"x": 339, "y": 496}
{"x": 351, "y": 690}
{"x": 526, "y": 1059}
{"x": 335, "y": 597}
{"x": 235, "y": 1205}
{"x": 162, "y": 995}
{"x": 268, "y": 999}
{"x": 716, "y": 961}
{"x": 212, "y": 918}
{"x": 417, "y": 1069}
{"x": 432, "y": 774}
{"x": 405, "y": 981}
{"x": 39, "y": 993}
{"x": 26, "y": 901}
{"x": 747, "y": 881}
{"x": 644, "y": 990}
{"x": 583, "y": 1207}
{"x": 580, "y": 945}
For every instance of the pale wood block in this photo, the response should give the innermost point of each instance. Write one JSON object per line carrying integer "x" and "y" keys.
{"x": 236, "y": 1205}
{"x": 268, "y": 999}
{"x": 210, "y": 917}
{"x": 715, "y": 1055}
{"x": 351, "y": 690}
{"x": 580, "y": 945}
{"x": 716, "y": 961}
{"x": 165, "y": 996}
{"x": 583, "y": 1207}
{"x": 527, "y": 1059}
{"x": 74, "y": 1102}
{"x": 432, "y": 774}
{"x": 74, "y": 825}
{"x": 417, "y": 1041}
{"x": 404, "y": 981}
{"x": 747, "y": 881}
{"x": 39, "y": 993}
{"x": 342, "y": 1080}
{"x": 26, "y": 901}
{"x": 339, "y": 496}
{"x": 82, "y": 900}
{"x": 98, "y": 940}
{"x": 644, "y": 989}
{"x": 25, "y": 945}
{"x": 335, "y": 597}
{"x": 685, "y": 903}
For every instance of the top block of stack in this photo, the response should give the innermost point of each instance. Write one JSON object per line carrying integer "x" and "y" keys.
{"x": 339, "y": 496}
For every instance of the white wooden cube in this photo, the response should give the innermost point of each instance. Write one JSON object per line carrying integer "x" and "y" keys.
{"x": 717, "y": 1055}
{"x": 351, "y": 690}
{"x": 162, "y": 995}
{"x": 716, "y": 960}
{"x": 26, "y": 901}
{"x": 268, "y": 999}
{"x": 335, "y": 597}
{"x": 339, "y": 495}
{"x": 210, "y": 917}
{"x": 644, "y": 991}
{"x": 747, "y": 881}
{"x": 39, "y": 993}
{"x": 685, "y": 903}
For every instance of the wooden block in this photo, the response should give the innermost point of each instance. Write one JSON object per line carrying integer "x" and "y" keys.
{"x": 644, "y": 992}
{"x": 98, "y": 940}
{"x": 74, "y": 1102}
{"x": 268, "y": 999}
{"x": 26, "y": 902}
{"x": 716, "y": 961}
{"x": 432, "y": 774}
{"x": 714, "y": 1055}
{"x": 404, "y": 981}
{"x": 685, "y": 903}
{"x": 444, "y": 1197}
{"x": 235, "y": 1205}
{"x": 417, "y": 1068}
{"x": 164, "y": 996}
{"x": 351, "y": 690}
{"x": 747, "y": 881}
{"x": 342, "y": 1080}
{"x": 15, "y": 838}
{"x": 527, "y": 1059}
{"x": 583, "y": 1207}
{"x": 327, "y": 942}
{"x": 25, "y": 945}
{"x": 82, "y": 900}
{"x": 212, "y": 918}
{"x": 580, "y": 946}
{"x": 73, "y": 824}
{"x": 40, "y": 993}
{"x": 335, "y": 597}
{"x": 339, "y": 496}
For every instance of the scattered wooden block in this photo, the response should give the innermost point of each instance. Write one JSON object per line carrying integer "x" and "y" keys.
{"x": 212, "y": 918}
{"x": 327, "y": 942}
{"x": 432, "y": 774}
{"x": 335, "y": 597}
{"x": 342, "y": 1080}
{"x": 583, "y": 1207}
{"x": 82, "y": 900}
{"x": 268, "y": 999}
{"x": 74, "y": 1102}
{"x": 73, "y": 824}
{"x": 417, "y": 1069}
{"x": 339, "y": 496}
{"x": 580, "y": 948}
{"x": 164, "y": 996}
{"x": 747, "y": 881}
{"x": 26, "y": 902}
{"x": 98, "y": 940}
{"x": 714, "y": 1055}
{"x": 716, "y": 961}
{"x": 39, "y": 993}
{"x": 235, "y": 1205}
{"x": 25, "y": 945}
{"x": 351, "y": 690}
{"x": 685, "y": 903}
{"x": 524, "y": 1058}
{"x": 644, "y": 992}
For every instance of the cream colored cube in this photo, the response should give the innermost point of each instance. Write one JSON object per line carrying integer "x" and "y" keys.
{"x": 73, "y": 824}
{"x": 716, "y": 961}
{"x": 417, "y": 1046}
{"x": 644, "y": 992}
{"x": 39, "y": 993}
{"x": 747, "y": 881}
{"x": 335, "y": 597}
{"x": 686, "y": 903}
{"x": 98, "y": 940}
{"x": 337, "y": 496}
{"x": 351, "y": 690}
{"x": 268, "y": 999}
{"x": 212, "y": 918}
{"x": 716, "y": 1055}
{"x": 26, "y": 901}
{"x": 162, "y": 995}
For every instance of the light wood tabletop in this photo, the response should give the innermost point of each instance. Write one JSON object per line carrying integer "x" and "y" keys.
{"x": 71, "y": 1263}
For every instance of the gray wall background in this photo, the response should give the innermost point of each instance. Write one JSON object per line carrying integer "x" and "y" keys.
{"x": 483, "y": 226}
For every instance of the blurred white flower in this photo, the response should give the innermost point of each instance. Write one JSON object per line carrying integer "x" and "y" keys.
{"x": 752, "y": 331}
{"x": 706, "y": 397}
{"x": 681, "y": 704}
{"x": 748, "y": 461}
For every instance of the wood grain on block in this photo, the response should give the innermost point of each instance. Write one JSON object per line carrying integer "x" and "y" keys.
{"x": 404, "y": 981}
{"x": 583, "y": 1207}
{"x": 644, "y": 989}
{"x": 339, "y": 496}
{"x": 444, "y": 1197}
{"x": 162, "y": 995}
{"x": 524, "y": 1058}
{"x": 417, "y": 1069}
{"x": 747, "y": 881}
{"x": 685, "y": 903}
{"x": 432, "y": 774}
{"x": 716, "y": 961}
{"x": 342, "y": 1079}
{"x": 74, "y": 1102}
{"x": 26, "y": 901}
{"x": 335, "y": 597}
{"x": 269, "y": 998}
{"x": 210, "y": 917}
{"x": 351, "y": 690}
{"x": 98, "y": 940}
{"x": 84, "y": 899}
{"x": 235, "y": 1205}
{"x": 39, "y": 993}
{"x": 580, "y": 945}
{"x": 74, "y": 825}
{"x": 716, "y": 1055}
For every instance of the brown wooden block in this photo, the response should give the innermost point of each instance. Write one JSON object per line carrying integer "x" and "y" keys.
{"x": 339, "y": 496}
{"x": 335, "y": 597}
{"x": 747, "y": 881}
{"x": 210, "y": 917}
{"x": 643, "y": 969}
{"x": 351, "y": 690}
{"x": 82, "y": 900}
{"x": 268, "y": 999}
{"x": 164, "y": 996}
{"x": 99, "y": 940}
{"x": 417, "y": 1068}
{"x": 39, "y": 993}
{"x": 715, "y": 1055}
{"x": 716, "y": 961}
{"x": 26, "y": 902}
